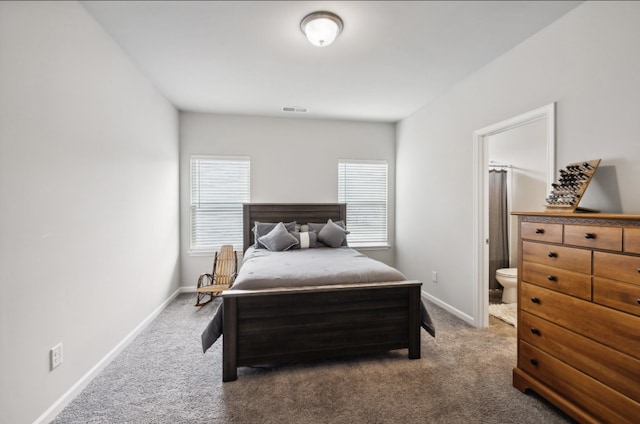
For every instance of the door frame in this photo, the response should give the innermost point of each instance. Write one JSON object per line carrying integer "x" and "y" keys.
{"x": 481, "y": 197}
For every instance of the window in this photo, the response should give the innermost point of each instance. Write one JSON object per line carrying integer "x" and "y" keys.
{"x": 219, "y": 187}
{"x": 362, "y": 185}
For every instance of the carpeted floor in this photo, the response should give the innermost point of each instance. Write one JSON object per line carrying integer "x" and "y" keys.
{"x": 464, "y": 376}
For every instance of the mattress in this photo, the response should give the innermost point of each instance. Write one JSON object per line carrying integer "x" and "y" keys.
{"x": 262, "y": 269}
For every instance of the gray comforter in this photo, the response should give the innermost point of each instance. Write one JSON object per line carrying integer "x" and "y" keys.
{"x": 263, "y": 269}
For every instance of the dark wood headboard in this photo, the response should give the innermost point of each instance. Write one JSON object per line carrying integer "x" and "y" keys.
{"x": 302, "y": 213}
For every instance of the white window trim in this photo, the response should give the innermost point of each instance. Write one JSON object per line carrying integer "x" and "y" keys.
{"x": 377, "y": 246}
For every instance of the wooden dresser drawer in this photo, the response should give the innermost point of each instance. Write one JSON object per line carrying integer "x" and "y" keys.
{"x": 569, "y": 258}
{"x": 608, "y": 238}
{"x": 617, "y": 267}
{"x": 551, "y": 233}
{"x": 573, "y": 283}
{"x": 622, "y": 296}
{"x": 622, "y": 372}
{"x": 602, "y": 402}
{"x": 618, "y": 330}
{"x": 579, "y": 313}
{"x": 631, "y": 240}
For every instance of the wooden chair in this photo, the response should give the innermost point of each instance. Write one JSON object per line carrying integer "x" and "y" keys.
{"x": 225, "y": 269}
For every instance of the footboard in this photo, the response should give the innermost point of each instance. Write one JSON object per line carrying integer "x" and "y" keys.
{"x": 304, "y": 323}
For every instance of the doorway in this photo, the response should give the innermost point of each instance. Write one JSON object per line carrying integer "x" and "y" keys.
{"x": 485, "y": 141}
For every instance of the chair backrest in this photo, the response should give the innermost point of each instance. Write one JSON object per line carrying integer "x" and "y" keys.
{"x": 225, "y": 266}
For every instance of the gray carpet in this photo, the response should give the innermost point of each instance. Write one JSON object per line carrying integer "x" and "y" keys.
{"x": 464, "y": 376}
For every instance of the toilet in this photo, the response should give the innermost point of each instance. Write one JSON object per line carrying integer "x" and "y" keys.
{"x": 508, "y": 278}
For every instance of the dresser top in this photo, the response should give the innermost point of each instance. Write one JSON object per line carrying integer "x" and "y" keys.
{"x": 583, "y": 215}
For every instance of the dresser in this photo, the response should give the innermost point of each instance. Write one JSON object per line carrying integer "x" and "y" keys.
{"x": 579, "y": 313}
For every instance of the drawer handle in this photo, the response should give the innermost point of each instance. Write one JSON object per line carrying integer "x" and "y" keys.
{"x": 535, "y": 331}
{"x": 638, "y": 300}
{"x": 539, "y": 230}
{"x": 551, "y": 278}
{"x": 555, "y": 255}
{"x": 638, "y": 269}
{"x": 535, "y": 299}
{"x": 534, "y": 362}
{"x": 589, "y": 236}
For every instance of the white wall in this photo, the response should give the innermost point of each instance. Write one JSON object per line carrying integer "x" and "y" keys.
{"x": 588, "y": 62}
{"x": 292, "y": 160}
{"x": 89, "y": 200}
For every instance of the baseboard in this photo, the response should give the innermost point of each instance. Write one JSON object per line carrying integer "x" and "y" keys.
{"x": 75, "y": 390}
{"x": 466, "y": 318}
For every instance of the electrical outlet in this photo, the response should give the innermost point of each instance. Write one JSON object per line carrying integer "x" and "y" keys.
{"x": 56, "y": 355}
{"x": 434, "y": 276}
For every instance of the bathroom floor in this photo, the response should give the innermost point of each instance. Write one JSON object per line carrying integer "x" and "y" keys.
{"x": 495, "y": 296}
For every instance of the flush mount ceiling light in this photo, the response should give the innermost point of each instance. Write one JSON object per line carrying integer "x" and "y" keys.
{"x": 321, "y": 28}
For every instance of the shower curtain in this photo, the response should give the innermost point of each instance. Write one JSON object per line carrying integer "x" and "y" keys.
{"x": 498, "y": 224}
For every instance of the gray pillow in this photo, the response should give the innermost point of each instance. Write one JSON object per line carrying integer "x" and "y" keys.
{"x": 317, "y": 227}
{"x": 306, "y": 239}
{"x": 332, "y": 234}
{"x": 263, "y": 228}
{"x": 278, "y": 239}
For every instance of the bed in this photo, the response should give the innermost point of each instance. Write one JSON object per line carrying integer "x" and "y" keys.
{"x": 269, "y": 316}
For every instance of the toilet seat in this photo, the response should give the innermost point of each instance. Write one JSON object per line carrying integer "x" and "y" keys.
{"x": 508, "y": 272}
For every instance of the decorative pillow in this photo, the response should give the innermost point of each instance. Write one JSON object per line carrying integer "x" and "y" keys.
{"x": 306, "y": 239}
{"x": 278, "y": 239}
{"x": 263, "y": 228}
{"x": 332, "y": 234}
{"x": 317, "y": 227}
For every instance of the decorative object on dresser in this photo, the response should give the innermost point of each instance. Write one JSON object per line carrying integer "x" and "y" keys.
{"x": 579, "y": 313}
{"x": 225, "y": 269}
{"x": 567, "y": 192}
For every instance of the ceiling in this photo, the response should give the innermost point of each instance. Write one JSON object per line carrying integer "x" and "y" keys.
{"x": 250, "y": 57}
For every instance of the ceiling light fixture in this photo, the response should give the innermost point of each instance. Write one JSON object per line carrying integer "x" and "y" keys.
{"x": 321, "y": 28}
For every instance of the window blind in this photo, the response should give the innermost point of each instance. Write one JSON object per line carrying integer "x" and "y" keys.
{"x": 362, "y": 185}
{"x": 219, "y": 187}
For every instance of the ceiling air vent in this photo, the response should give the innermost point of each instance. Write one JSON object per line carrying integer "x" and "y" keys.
{"x": 295, "y": 109}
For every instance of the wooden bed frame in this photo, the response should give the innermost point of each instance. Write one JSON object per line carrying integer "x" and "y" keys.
{"x": 275, "y": 325}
